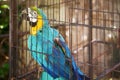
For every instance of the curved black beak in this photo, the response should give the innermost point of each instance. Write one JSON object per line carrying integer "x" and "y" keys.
{"x": 32, "y": 24}
{"x": 25, "y": 16}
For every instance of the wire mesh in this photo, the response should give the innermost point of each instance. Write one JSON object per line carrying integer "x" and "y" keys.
{"x": 91, "y": 29}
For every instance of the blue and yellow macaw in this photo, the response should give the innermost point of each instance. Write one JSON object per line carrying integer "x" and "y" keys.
{"x": 49, "y": 49}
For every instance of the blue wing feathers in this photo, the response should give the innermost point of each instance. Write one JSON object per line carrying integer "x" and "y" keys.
{"x": 77, "y": 74}
{"x": 51, "y": 58}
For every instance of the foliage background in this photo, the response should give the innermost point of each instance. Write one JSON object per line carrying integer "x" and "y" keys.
{"x": 4, "y": 41}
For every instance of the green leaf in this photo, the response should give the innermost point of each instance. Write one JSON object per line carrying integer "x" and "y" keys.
{"x": 4, "y": 70}
{"x": 5, "y": 6}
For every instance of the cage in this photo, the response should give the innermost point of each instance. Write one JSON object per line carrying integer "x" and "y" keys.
{"x": 91, "y": 29}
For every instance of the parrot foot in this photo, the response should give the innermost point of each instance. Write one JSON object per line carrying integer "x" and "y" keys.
{"x": 56, "y": 40}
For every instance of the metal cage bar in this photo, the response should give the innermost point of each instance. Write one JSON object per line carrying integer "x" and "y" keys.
{"x": 13, "y": 37}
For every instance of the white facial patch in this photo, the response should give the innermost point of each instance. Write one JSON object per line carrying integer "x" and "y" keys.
{"x": 32, "y": 15}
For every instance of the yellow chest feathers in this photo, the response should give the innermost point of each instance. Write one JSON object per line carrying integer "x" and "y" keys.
{"x": 38, "y": 26}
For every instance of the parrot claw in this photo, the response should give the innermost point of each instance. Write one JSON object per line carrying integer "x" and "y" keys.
{"x": 57, "y": 39}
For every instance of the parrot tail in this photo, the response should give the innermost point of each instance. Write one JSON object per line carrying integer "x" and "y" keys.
{"x": 77, "y": 74}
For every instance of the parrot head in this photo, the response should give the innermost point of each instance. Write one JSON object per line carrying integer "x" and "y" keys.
{"x": 37, "y": 19}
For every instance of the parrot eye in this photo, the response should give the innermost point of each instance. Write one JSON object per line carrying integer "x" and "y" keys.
{"x": 35, "y": 13}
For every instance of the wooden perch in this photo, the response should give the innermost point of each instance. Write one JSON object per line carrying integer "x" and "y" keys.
{"x": 28, "y": 73}
{"x": 107, "y": 71}
{"x": 19, "y": 34}
{"x": 4, "y": 36}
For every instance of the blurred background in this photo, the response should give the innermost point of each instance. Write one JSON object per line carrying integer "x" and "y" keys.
{"x": 96, "y": 49}
{"x": 4, "y": 41}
